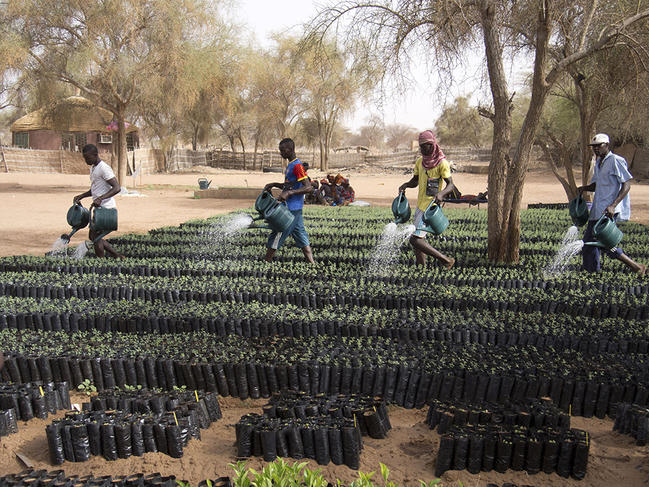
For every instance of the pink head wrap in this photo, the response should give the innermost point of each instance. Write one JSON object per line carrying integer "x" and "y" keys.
{"x": 431, "y": 161}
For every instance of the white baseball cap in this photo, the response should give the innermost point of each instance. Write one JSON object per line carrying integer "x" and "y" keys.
{"x": 599, "y": 139}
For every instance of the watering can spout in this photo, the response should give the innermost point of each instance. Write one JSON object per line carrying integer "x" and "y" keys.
{"x": 599, "y": 244}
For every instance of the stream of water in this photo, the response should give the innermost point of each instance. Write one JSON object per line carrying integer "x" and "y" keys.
{"x": 59, "y": 247}
{"x": 386, "y": 252}
{"x": 570, "y": 246}
{"x": 80, "y": 251}
{"x": 219, "y": 237}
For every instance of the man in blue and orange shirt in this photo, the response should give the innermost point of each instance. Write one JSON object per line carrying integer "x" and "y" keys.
{"x": 296, "y": 184}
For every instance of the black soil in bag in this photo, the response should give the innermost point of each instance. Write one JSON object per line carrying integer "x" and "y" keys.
{"x": 268, "y": 444}
{"x": 566, "y": 452}
{"x": 80, "y": 442}
{"x": 534, "y": 456}
{"x": 489, "y": 452}
{"x": 308, "y": 441}
{"x": 476, "y": 448}
{"x": 123, "y": 440}
{"x": 281, "y": 442}
{"x": 460, "y": 453}
{"x": 504, "y": 449}
{"x": 529, "y": 412}
{"x": 174, "y": 441}
{"x": 351, "y": 450}
{"x": 321, "y": 439}
{"x": 55, "y": 444}
{"x": 370, "y": 413}
{"x": 295, "y": 446}
{"x": 244, "y": 439}
{"x": 445, "y": 455}
{"x": 120, "y": 434}
{"x": 519, "y": 448}
{"x": 33, "y": 400}
{"x": 108, "y": 444}
{"x": 336, "y": 446}
{"x": 550, "y": 456}
{"x": 580, "y": 460}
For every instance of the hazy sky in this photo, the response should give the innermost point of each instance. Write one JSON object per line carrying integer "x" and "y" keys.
{"x": 418, "y": 107}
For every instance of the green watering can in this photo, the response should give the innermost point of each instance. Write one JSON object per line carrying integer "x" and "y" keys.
{"x": 278, "y": 217}
{"x": 203, "y": 183}
{"x": 607, "y": 234}
{"x": 104, "y": 221}
{"x": 401, "y": 208}
{"x": 78, "y": 217}
{"x": 433, "y": 221}
{"x": 578, "y": 209}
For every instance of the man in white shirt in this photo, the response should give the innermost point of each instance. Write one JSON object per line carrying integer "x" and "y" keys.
{"x": 611, "y": 184}
{"x": 103, "y": 186}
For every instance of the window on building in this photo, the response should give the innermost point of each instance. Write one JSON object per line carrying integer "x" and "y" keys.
{"x": 130, "y": 141}
{"x": 21, "y": 139}
{"x": 67, "y": 141}
{"x": 79, "y": 140}
{"x": 105, "y": 138}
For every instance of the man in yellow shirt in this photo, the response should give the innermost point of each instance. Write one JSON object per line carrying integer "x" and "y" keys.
{"x": 432, "y": 170}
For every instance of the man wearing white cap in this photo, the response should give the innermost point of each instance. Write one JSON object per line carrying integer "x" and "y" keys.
{"x": 611, "y": 185}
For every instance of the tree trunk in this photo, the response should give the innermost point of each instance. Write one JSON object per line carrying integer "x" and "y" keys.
{"x": 587, "y": 116}
{"x": 243, "y": 149}
{"x": 321, "y": 145}
{"x": 195, "y": 137}
{"x": 501, "y": 144}
{"x": 506, "y": 241}
{"x": 121, "y": 149}
{"x": 254, "y": 155}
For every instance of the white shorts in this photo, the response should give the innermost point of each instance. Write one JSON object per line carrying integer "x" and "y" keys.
{"x": 419, "y": 214}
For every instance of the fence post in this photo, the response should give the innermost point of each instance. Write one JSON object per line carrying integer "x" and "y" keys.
{"x": 4, "y": 160}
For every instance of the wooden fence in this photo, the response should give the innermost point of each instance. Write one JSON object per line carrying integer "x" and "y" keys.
{"x": 150, "y": 161}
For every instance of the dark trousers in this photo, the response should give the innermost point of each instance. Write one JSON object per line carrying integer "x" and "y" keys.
{"x": 591, "y": 254}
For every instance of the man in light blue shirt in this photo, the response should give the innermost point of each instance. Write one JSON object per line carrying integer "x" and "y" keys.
{"x": 611, "y": 185}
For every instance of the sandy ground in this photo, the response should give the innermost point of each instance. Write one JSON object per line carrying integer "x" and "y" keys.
{"x": 409, "y": 451}
{"x": 33, "y": 216}
{"x": 34, "y": 206}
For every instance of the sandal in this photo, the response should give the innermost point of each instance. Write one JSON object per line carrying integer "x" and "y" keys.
{"x": 450, "y": 264}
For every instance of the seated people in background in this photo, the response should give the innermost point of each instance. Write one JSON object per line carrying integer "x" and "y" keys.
{"x": 347, "y": 193}
{"x": 337, "y": 190}
{"x": 315, "y": 196}
{"x": 327, "y": 188}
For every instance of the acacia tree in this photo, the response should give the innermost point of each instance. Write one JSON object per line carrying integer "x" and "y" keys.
{"x": 398, "y": 134}
{"x": 461, "y": 125}
{"x": 554, "y": 32}
{"x": 372, "y": 133}
{"x": 105, "y": 48}
{"x": 332, "y": 84}
{"x": 280, "y": 84}
{"x": 607, "y": 92}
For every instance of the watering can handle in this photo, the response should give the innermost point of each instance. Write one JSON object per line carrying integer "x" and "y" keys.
{"x": 604, "y": 215}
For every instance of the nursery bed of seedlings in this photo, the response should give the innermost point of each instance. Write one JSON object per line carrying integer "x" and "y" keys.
{"x": 58, "y": 478}
{"x": 118, "y": 424}
{"x": 196, "y": 306}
